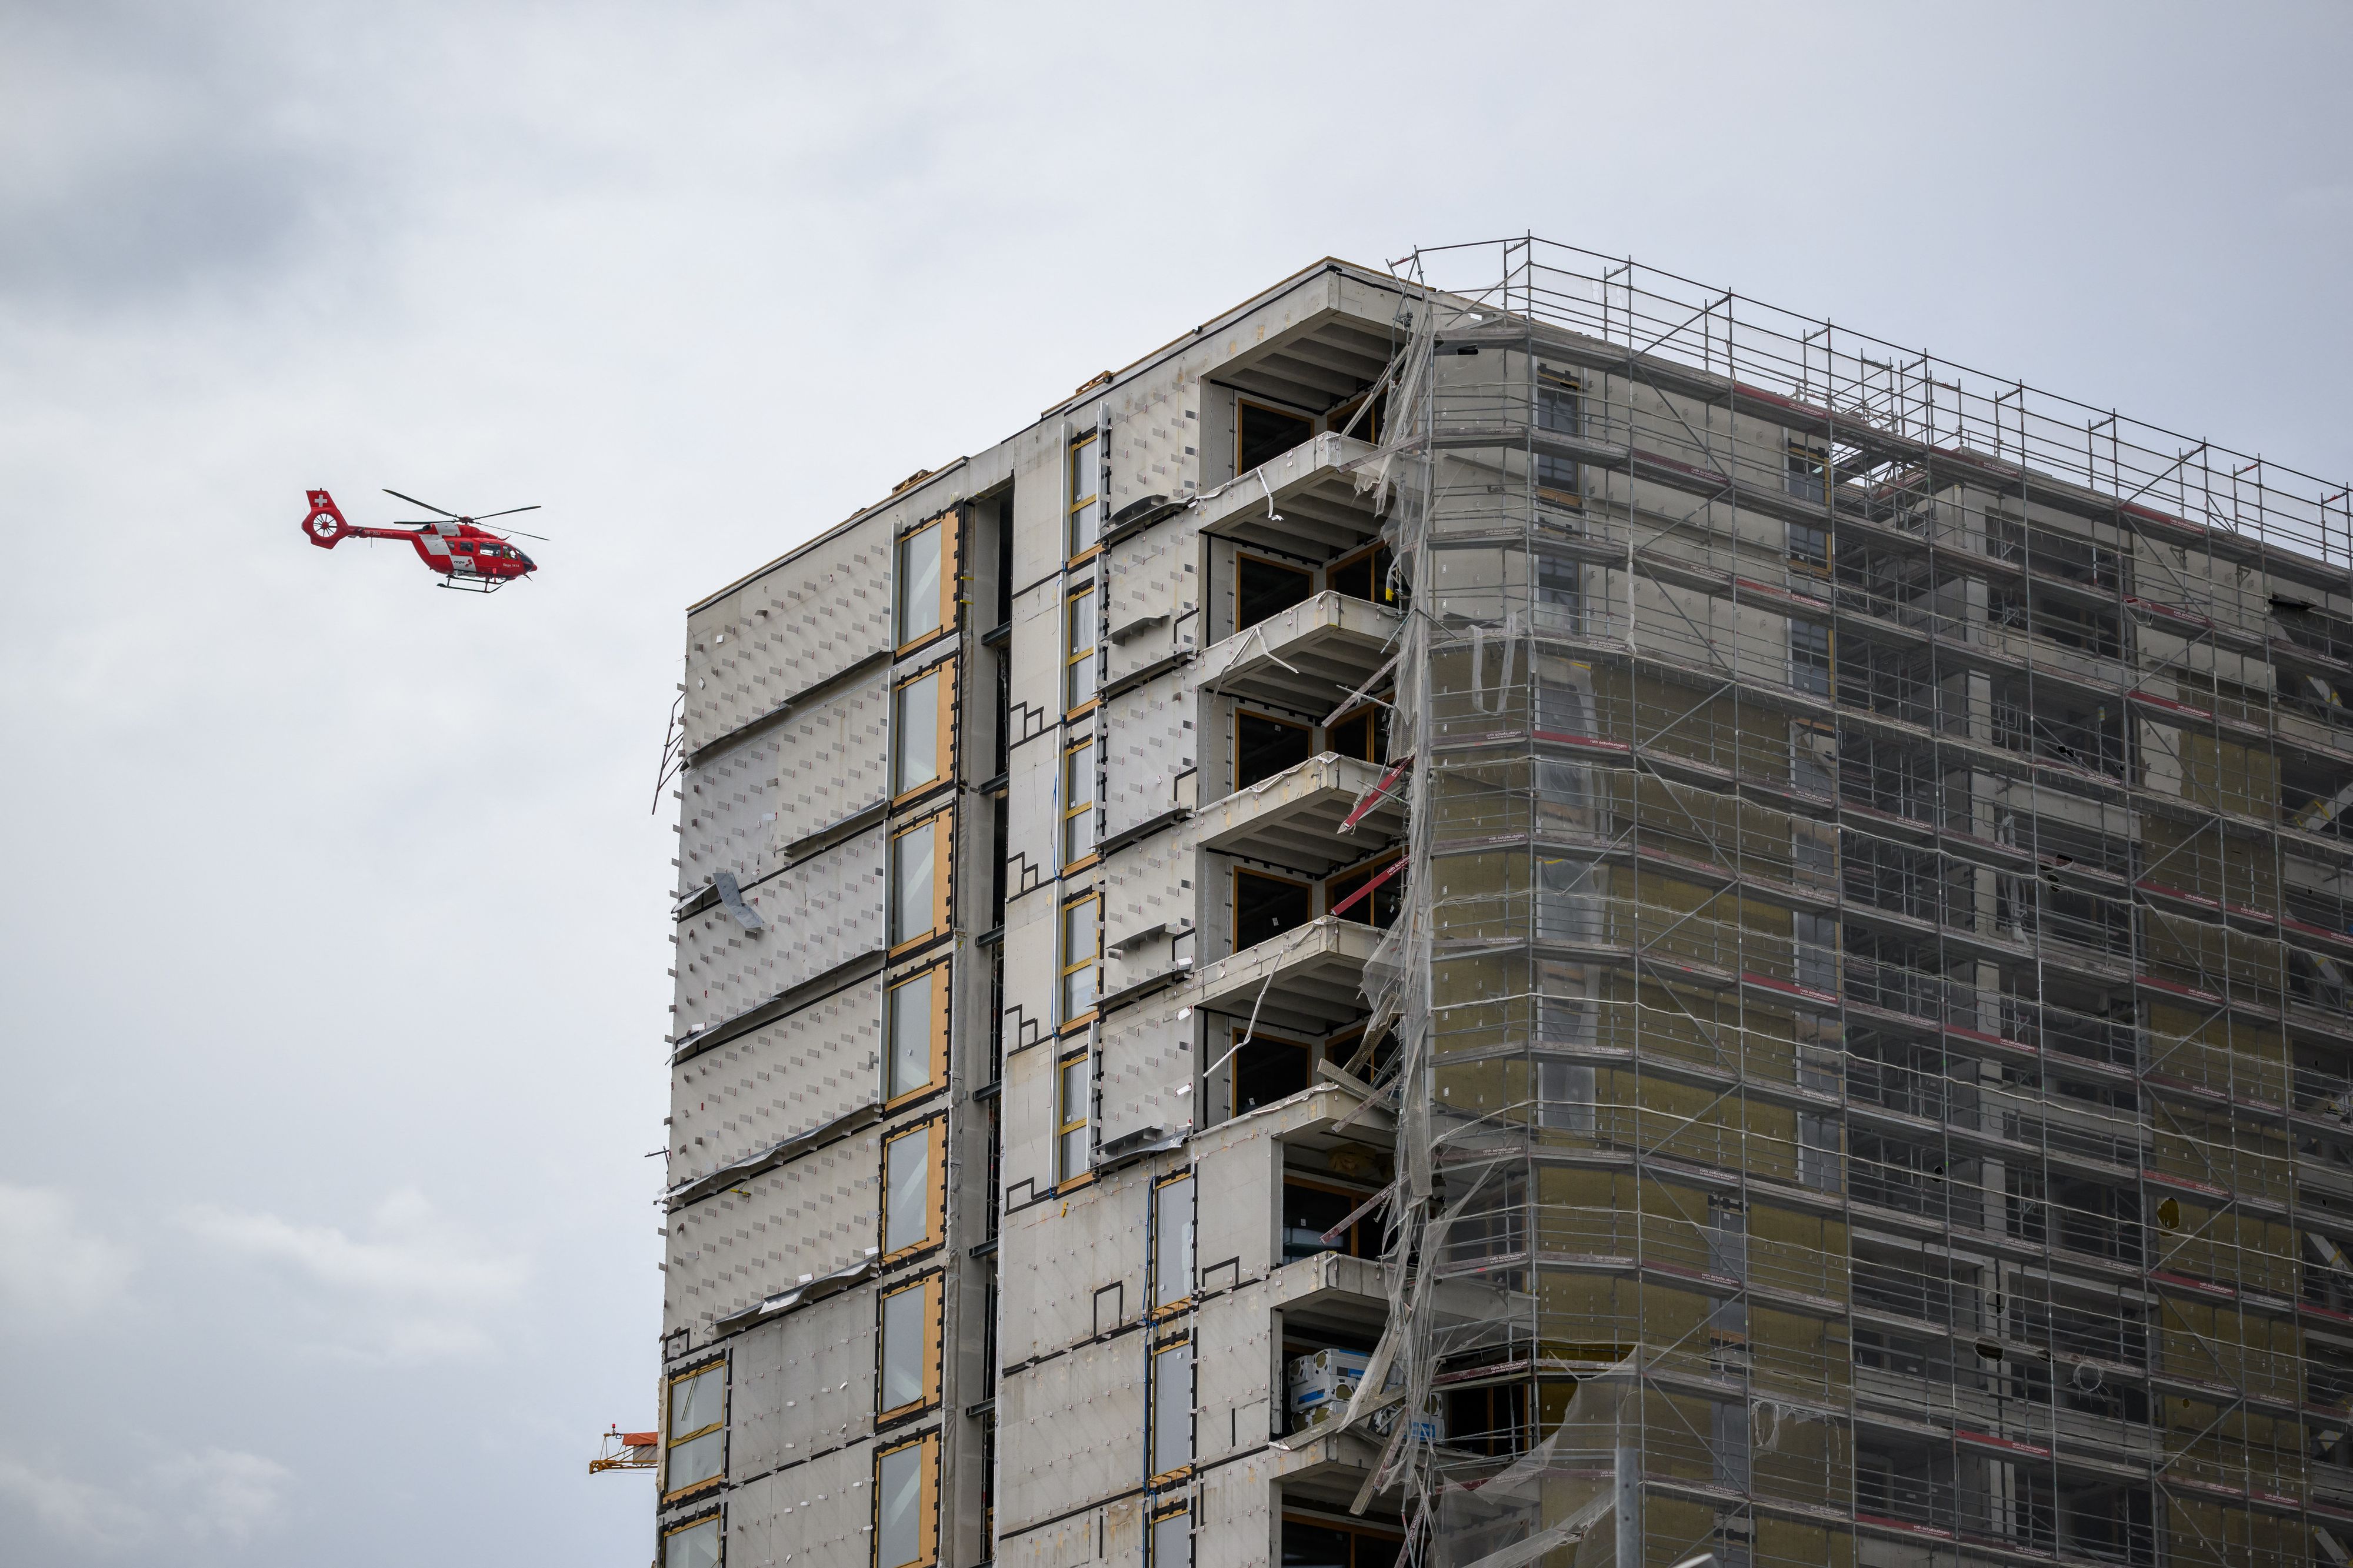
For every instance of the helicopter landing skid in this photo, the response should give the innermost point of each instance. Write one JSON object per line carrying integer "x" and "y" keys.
{"x": 474, "y": 584}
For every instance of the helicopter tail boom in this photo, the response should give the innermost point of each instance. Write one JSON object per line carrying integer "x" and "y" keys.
{"x": 324, "y": 525}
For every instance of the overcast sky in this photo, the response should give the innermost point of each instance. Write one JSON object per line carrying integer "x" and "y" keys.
{"x": 334, "y": 913}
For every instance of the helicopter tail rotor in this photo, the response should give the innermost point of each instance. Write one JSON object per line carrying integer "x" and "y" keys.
{"x": 324, "y": 525}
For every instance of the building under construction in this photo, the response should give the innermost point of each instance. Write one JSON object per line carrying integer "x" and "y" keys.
{"x": 1519, "y": 912}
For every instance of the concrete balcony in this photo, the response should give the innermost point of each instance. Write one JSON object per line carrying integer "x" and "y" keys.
{"x": 1304, "y": 502}
{"x": 1306, "y": 657}
{"x": 1294, "y": 818}
{"x": 1310, "y": 978}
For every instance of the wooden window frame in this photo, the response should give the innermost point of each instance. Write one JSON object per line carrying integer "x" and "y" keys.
{"x": 1234, "y": 898}
{"x": 672, "y": 1441}
{"x": 927, "y": 1506}
{"x": 1368, "y": 709}
{"x": 941, "y": 824}
{"x": 718, "y": 1535}
{"x": 946, "y": 522}
{"x": 1331, "y": 1187}
{"x": 1315, "y": 576}
{"x": 1064, "y": 1124}
{"x": 932, "y": 1130}
{"x": 1064, "y": 967}
{"x": 1073, "y": 502}
{"x": 1325, "y": 892}
{"x": 1241, "y": 712}
{"x": 894, "y": 1097}
{"x": 1071, "y": 810}
{"x": 1244, "y": 400}
{"x": 1380, "y": 584}
{"x": 1260, "y": 1037}
{"x": 944, "y": 750}
{"x": 934, "y": 1287}
{"x": 1333, "y": 420}
{"x": 1072, "y": 654}
{"x": 1153, "y": 1519}
{"x": 1173, "y": 1474}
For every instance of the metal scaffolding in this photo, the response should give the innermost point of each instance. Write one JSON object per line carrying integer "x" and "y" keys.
{"x": 1874, "y": 1056}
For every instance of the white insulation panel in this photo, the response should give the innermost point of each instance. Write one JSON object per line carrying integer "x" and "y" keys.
{"x": 783, "y": 631}
{"x": 731, "y": 1251}
{"x": 802, "y": 1385}
{"x": 816, "y": 915}
{"x": 781, "y": 1079}
{"x": 817, "y": 1515}
{"x": 1072, "y": 1431}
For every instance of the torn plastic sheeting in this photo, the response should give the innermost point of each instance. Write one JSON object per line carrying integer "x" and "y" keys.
{"x": 732, "y": 896}
{"x": 817, "y": 1290}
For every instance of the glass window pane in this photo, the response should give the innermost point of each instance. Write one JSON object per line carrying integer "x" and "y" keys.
{"x": 1074, "y": 1152}
{"x": 697, "y": 1458}
{"x": 911, "y": 1035}
{"x": 695, "y": 1401}
{"x": 1074, "y": 1089}
{"x": 697, "y": 1546}
{"x": 919, "y": 584}
{"x": 902, "y": 1347}
{"x": 1171, "y": 1541}
{"x": 918, "y": 759}
{"x": 907, "y": 1174}
{"x": 1172, "y": 1408}
{"x": 1081, "y": 642}
{"x": 911, "y": 884}
{"x": 1084, "y": 471}
{"x": 899, "y": 1483}
{"x": 1172, "y": 1243}
{"x": 1078, "y": 991}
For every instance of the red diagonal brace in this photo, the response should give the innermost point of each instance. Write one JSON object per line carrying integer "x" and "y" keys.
{"x": 1372, "y": 797}
{"x": 1345, "y": 905}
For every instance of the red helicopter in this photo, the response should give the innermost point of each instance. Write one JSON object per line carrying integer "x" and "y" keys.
{"x": 467, "y": 555}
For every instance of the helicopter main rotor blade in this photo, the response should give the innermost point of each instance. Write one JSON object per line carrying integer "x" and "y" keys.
{"x": 519, "y": 533}
{"x": 427, "y": 505}
{"x": 509, "y": 512}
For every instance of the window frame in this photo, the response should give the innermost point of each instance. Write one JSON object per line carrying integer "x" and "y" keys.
{"x": 1236, "y": 1045}
{"x": 718, "y": 1537}
{"x": 1065, "y": 967}
{"x": 1372, "y": 552}
{"x": 945, "y": 522}
{"x": 1075, "y": 505}
{"x": 936, "y": 1052}
{"x": 1245, "y": 400}
{"x": 1075, "y": 658}
{"x": 940, "y": 824}
{"x": 672, "y": 1441}
{"x": 1073, "y": 809}
{"x": 1159, "y": 1520}
{"x": 931, "y": 1130}
{"x": 1161, "y": 1475}
{"x": 1157, "y": 1307}
{"x": 1315, "y": 575}
{"x": 1559, "y": 382}
{"x": 931, "y": 1285}
{"x": 943, "y": 734}
{"x": 927, "y": 1504}
{"x": 1066, "y": 1124}
{"x": 1234, "y": 902}
{"x": 1315, "y": 747}
{"x": 1327, "y": 895}
{"x": 1369, "y": 713}
{"x": 1827, "y": 690}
